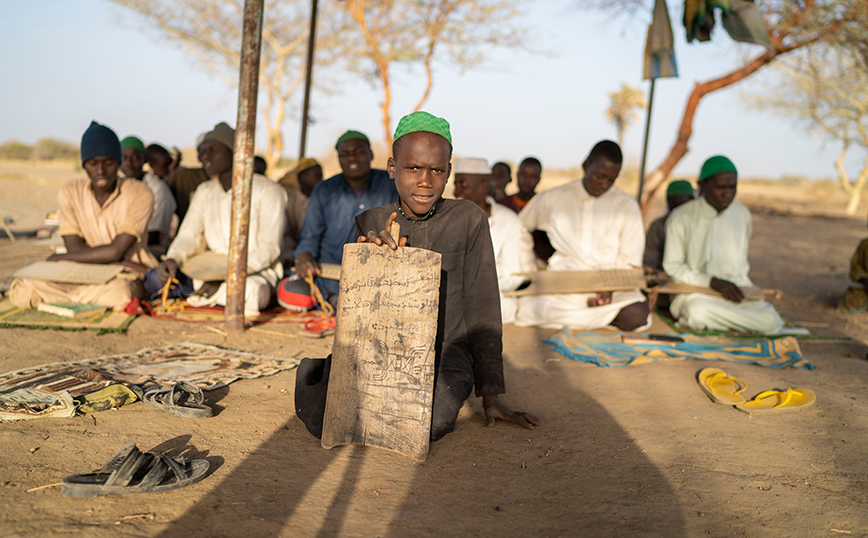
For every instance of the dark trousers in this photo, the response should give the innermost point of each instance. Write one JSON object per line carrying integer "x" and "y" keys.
{"x": 451, "y": 388}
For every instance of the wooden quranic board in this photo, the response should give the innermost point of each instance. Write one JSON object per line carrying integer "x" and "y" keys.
{"x": 381, "y": 385}
{"x": 551, "y": 282}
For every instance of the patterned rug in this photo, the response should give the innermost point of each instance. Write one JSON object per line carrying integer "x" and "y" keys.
{"x": 29, "y": 318}
{"x": 48, "y": 390}
{"x": 612, "y": 351}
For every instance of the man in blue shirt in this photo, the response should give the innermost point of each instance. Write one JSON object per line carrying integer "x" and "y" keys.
{"x": 329, "y": 223}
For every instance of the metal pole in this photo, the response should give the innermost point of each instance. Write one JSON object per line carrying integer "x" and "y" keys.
{"x": 311, "y": 40}
{"x": 645, "y": 146}
{"x": 242, "y": 164}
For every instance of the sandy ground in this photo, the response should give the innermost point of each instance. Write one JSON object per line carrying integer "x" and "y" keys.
{"x": 637, "y": 451}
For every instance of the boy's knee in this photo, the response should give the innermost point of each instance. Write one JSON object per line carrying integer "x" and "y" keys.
{"x": 450, "y": 391}
{"x": 22, "y": 294}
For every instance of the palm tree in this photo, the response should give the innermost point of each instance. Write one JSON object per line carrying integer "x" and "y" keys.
{"x": 622, "y": 108}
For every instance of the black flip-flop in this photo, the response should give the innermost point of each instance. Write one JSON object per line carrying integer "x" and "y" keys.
{"x": 131, "y": 471}
{"x": 183, "y": 399}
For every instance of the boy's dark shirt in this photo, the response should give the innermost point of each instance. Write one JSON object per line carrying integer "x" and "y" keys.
{"x": 470, "y": 315}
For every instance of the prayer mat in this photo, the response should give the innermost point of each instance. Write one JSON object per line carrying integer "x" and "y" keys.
{"x": 612, "y": 351}
{"x": 48, "y": 390}
{"x": 30, "y": 318}
{"x": 215, "y": 314}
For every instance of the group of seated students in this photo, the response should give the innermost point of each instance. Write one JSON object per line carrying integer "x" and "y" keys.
{"x": 122, "y": 214}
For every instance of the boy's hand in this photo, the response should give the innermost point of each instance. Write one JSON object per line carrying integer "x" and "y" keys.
{"x": 305, "y": 265}
{"x": 495, "y": 409}
{"x": 730, "y": 291}
{"x": 166, "y": 270}
{"x": 385, "y": 235}
{"x": 208, "y": 288}
{"x": 600, "y": 298}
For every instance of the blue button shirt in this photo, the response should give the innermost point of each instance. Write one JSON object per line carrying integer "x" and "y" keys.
{"x": 329, "y": 223}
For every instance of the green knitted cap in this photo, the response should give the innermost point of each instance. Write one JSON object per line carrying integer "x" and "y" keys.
{"x": 679, "y": 187}
{"x": 423, "y": 122}
{"x": 133, "y": 142}
{"x": 716, "y": 165}
{"x": 352, "y": 135}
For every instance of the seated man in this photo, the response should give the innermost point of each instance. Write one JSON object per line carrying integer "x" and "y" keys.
{"x": 501, "y": 176}
{"x": 132, "y": 166}
{"x": 470, "y": 338}
{"x": 707, "y": 245}
{"x": 513, "y": 252}
{"x": 328, "y": 223}
{"x": 679, "y": 192}
{"x": 208, "y": 221}
{"x": 592, "y": 226}
{"x": 855, "y": 300}
{"x": 259, "y": 165}
{"x": 160, "y": 161}
{"x": 299, "y": 183}
{"x": 529, "y": 175}
{"x": 103, "y": 220}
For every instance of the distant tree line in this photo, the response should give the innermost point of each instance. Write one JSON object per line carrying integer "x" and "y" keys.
{"x": 43, "y": 149}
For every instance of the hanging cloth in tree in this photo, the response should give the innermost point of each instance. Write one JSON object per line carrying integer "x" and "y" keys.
{"x": 660, "y": 45}
{"x": 745, "y": 23}
{"x": 741, "y": 19}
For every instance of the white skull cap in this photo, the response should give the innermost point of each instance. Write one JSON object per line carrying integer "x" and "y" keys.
{"x": 473, "y": 165}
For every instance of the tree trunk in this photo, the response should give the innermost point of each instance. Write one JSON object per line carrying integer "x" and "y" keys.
{"x": 842, "y": 173}
{"x": 386, "y": 105}
{"x": 856, "y": 193}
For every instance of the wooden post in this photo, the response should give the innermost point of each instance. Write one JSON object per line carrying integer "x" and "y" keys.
{"x": 308, "y": 80}
{"x": 645, "y": 146}
{"x": 242, "y": 164}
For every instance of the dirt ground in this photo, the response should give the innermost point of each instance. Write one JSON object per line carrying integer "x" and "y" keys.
{"x": 637, "y": 451}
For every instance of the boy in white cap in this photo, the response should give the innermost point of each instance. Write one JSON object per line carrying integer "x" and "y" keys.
{"x": 513, "y": 247}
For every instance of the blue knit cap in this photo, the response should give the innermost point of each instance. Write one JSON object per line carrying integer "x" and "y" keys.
{"x": 100, "y": 141}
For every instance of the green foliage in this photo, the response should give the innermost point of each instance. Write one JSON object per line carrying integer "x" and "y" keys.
{"x": 15, "y": 150}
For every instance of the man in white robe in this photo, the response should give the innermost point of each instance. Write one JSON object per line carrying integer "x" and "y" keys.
{"x": 707, "y": 245}
{"x": 513, "y": 246}
{"x": 592, "y": 226}
{"x": 208, "y": 222}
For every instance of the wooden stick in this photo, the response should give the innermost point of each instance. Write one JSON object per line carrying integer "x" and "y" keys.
{"x": 215, "y": 330}
{"x": 266, "y": 331}
{"x": 8, "y": 231}
{"x": 43, "y": 487}
{"x": 818, "y": 324}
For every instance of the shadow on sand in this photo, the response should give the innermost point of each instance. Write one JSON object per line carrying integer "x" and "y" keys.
{"x": 579, "y": 474}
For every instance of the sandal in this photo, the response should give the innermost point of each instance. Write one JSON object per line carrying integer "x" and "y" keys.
{"x": 183, "y": 399}
{"x": 779, "y": 401}
{"x": 721, "y": 387}
{"x": 131, "y": 471}
{"x": 318, "y": 327}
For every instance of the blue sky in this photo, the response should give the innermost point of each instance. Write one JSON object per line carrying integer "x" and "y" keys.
{"x": 65, "y": 63}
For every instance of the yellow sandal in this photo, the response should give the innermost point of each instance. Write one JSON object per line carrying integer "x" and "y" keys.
{"x": 779, "y": 401}
{"x": 721, "y": 387}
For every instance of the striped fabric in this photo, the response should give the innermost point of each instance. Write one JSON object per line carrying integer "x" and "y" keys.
{"x": 612, "y": 351}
